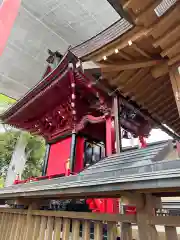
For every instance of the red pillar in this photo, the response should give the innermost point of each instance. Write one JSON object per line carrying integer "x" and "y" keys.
{"x": 108, "y": 136}
{"x": 8, "y": 13}
{"x": 142, "y": 141}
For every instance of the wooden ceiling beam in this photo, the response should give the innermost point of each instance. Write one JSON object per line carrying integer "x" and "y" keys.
{"x": 152, "y": 91}
{"x": 175, "y": 81}
{"x": 168, "y": 110}
{"x": 171, "y": 49}
{"x": 175, "y": 122}
{"x": 141, "y": 86}
{"x": 124, "y": 55}
{"x": 122, "y": 77}
{"x": 177, "y": 130}
{"x": 160, "y": 70}
{"x": 167, "y": 36}
{"x": 155, "y": 96}
{"x": 170, "y": 113}
{"x": 139, "y": 50}
{"x": 145, "y": 12}
{"x": 123, "y": 43}
{"x": 127, "y": 4}
{"x": 127, "y": 65}
{"x": 174, "y": 60}
{"x": 162, "y": 103}
{"x": 166, "y": 94}
{"x": 169, "y": 116}
{"x": 166, "y": 21}
{"x": 140, "y": 73}
{"x": 114, "y": 80}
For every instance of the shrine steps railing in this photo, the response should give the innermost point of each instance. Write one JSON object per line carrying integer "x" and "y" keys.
{"x": 56, "y": 225}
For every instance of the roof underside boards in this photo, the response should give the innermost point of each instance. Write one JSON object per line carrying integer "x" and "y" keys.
{"x": 131, "y": 170}
{"x": 137, "y": 63}
{"x": 43, "y": 25}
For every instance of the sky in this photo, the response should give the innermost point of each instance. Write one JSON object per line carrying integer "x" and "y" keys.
{"x": 155, "y": 136}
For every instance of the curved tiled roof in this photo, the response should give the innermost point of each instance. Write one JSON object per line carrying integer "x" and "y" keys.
{"x": 100, "y": 40}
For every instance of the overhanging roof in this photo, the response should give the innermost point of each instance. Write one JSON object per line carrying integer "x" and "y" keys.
{"x": 137, "y": 64}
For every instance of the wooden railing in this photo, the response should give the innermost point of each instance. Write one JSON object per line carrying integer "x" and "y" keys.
{"x": 56, "y": 225}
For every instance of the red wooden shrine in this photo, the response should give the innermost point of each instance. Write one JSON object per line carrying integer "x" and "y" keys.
{"x": 77, "y": 120}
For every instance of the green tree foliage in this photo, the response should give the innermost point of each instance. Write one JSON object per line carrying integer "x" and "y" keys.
{"x": 35, "y": 150}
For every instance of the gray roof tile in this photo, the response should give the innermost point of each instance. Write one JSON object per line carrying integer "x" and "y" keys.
{"x": 140, "y": 164}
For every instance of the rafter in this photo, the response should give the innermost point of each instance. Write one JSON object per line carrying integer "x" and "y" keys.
{"x": 165, "y": 21}
{"x": 114, "y": 80}
{"x": 127, "y": 4}
{"x": 140, "y": 86}
{"x": 124, "y": 55}
{"x": 174, "y": 60}
{"x": 122, "y": 77}
{"x": 152, "y": 87}
{"x": 139, "y": 50}
{"x": 160, "y": 70}
{"x": 161, "y": 104}
{"x": 149, "y": 8}
{"x": 175, "y": 81}
{"x": 170, "y": 113}
{"x": 138, "y": 75}
{"x": 171, "y": 49}
{"x": 123, "y": 43}
{"x": 154, "y": 97}
{"x": 126, "y": 65}
{"x": 159, "y": 101}
{"x": 167, "y": 36}
{"x": 175, "y": 121}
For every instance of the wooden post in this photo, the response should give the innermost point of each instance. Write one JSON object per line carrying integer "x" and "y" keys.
{"x": 57, "y": 228}
{"x": 50, "y": 225}
{"x": 126, "y": 231}
{"x": 42, "y": 228}
{"x": 117, "y": 124}
{"x": 175, "y": 81}
{"x": 66, "y": 229}
{"x": 75, "y": 229}
{"x": 86, "y": 230}
{"x": 171, "y": 233}
{"x": 112, "y": 231}
{"x": 145, "y": 205}
{"x": 98, "y": 230}
{"x": 29, "y": 221}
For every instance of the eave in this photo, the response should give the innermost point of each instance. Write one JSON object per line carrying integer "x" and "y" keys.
{"x": 152, "y": 38}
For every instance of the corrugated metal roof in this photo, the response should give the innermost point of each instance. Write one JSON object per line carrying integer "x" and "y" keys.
{"x": 103, "y": 38}
{"x": 164, "y": 6}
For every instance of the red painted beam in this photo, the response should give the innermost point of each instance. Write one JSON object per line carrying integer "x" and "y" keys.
{"x": 8, "y": 13}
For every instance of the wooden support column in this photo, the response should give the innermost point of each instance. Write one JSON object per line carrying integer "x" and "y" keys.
{"x": 117, "y": 125}
{"x": 171, "y": 233}
{"x": 126, "y": 231}
{"x": 175, "y": 81}
{"x": 145, "y": 208}
{"x": 30, "y": 224}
